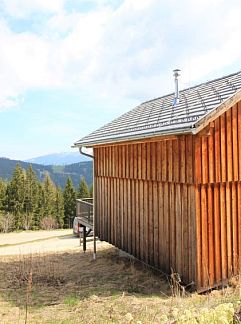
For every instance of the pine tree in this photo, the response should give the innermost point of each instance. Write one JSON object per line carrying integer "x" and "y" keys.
{"x": 3, "y": 189}
{"x": 83, "y": 190}
{"x": 15, "y": 195}
{"x": 91, "y": 191}
{"x": 69, "y": 204}
{"x": 49, "y": 191}
{"x": 31, "y": 198}
{"x": 59, "y": 207}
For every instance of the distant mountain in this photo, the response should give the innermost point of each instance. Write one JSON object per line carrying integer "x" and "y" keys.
{"x": 63, "y": 158}
{"x": 58, "y": 173}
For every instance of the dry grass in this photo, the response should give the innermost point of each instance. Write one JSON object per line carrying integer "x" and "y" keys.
{"x": 71, "y": 288}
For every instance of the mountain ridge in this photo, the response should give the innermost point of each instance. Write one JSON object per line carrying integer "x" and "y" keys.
{"x": 58, "y": 173}
{"x": 61, "y": 158}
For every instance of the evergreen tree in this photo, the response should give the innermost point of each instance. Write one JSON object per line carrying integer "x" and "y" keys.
{"x": 49, "y": 191}
{"x": 15, "y": 195}
{"x": 83, "y": 190}
{"x": 59, "y": 207}
{"x": 91, "y": 191}
{"x": 69, "y": 204}
{"x": 31, "y": 198}
{"x": 3, "y": 188}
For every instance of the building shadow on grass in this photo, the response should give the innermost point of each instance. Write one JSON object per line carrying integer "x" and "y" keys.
{"x": 51, "y": 279}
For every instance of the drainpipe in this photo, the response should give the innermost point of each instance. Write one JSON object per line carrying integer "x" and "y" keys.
{"x": 94, "y": 238}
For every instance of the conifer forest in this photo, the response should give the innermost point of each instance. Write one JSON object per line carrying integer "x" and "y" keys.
{"x": 26, "y": 203}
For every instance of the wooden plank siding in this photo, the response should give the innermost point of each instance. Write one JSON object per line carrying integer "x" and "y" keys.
{"x": 145, "y": 202}
{"x": 218, "y": 207}
{"x": 176, "y": 202}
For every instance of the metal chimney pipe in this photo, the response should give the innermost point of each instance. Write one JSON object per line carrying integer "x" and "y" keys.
{"x": 176, "y": 75}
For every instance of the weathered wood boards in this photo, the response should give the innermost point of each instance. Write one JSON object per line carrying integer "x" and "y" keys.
{"x": 218, "y": 205}
{"x": 176, "y": 202}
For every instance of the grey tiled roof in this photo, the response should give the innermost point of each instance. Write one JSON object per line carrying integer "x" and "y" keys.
{"x": 160, "y": 117}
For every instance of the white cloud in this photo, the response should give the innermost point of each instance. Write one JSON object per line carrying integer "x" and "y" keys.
{"x": 24, "y": 8}
{"x": 127, "y": 51}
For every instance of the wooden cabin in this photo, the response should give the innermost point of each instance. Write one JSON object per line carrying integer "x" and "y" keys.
{"x": 167, "y": 182}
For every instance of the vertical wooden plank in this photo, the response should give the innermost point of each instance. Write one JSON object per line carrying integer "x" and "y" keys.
{"x": 150, "y": 223}
{"x": 174, "y": 223}
{"x": 122, "y": 213}
{"x": 235, "y": 228}
{"x": 223, "y": 230}
{"x": 108, "y": 211}
{"x": 239, "y": 139}
{"x": 135, "y": 161}
{"x": 134, "y": 220}
{"x": 239, "y": 222}
{"x": 189, "y": 158}
{"x": 103, "y": 161}
{"x": 140, "y": 212}
{"x": 153, "y": 161}
{"x": 211, "y": 249}
{"x": 217, "y": 234}
{"x": 235, "y": 142}
{"x": 192, "y": 232}
{"x": 146, "y": 223}
{"x": 182, "y": 160}
{"x": 198, "y": 238}
{"x": 176, "y": 160}
{"x": 204, "y": 236}
{"x": 166, "y": 237}
{"x": 217, "y": 141}
{"x": 125, "y": 216}
{"x": 161, "y": 225}
{"x": 211, "y": 157}
{"x": 120, "y": 165}
{"x": 186, "y": 248}
{"x": 164, "y": 161}
{"x": 204, "y": 160}
{"x": 148, "y": 161}
{"x": 118, "y": 212}
{"x": 229, "y": 229}
{"x": 223, "y": 148}
{"x": 178, "y": 227}
{"x": 139, "y": 171}
{"x": 143, "y": 162}
{"x": 127, "y": 161}
{"x": 156, "y": 224}
{"x": 169, "y": 161}
{"x": 131, "y": 159}
{"x": 229, "y": 145}
{"x": 123, "y": 155}
{"x": 158, "y": 161}
{"x": 115, "y": 206}
{"x": 129, "y": 228}
{"x": 198, "y": 160}
{"x": 106, "y": 222}
{"x": 137, "y": 227}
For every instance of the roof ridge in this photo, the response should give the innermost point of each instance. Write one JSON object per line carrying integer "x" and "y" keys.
{"x": 192, "y": 87}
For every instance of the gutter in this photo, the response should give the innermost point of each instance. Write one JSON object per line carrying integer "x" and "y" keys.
{"x": 94, "y": 237}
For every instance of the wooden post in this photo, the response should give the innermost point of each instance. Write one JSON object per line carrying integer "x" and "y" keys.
{"x": 84, "y": 238}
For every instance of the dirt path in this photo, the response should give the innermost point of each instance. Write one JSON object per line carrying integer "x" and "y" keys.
{"x": 41, "y": 242}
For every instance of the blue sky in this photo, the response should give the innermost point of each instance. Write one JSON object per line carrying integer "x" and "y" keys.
{"x": 70, "y": 66}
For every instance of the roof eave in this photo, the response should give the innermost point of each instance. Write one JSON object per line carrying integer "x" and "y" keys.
{"x": 216, "y": 112}
{"x": 179, "y": 131}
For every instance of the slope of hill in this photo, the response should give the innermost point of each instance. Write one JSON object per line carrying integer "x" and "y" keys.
{"x": 63, "y": 158}
{"x": 58, "y": 174}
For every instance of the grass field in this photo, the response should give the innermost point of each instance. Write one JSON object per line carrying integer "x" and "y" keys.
{"x": 69, "y": 287}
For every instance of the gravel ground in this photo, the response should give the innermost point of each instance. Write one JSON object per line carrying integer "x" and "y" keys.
{"x": 50, "y": 241}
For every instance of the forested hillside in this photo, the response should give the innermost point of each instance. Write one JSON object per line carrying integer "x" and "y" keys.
{"x": 28, "y": 203}
{"x": 58, "y": 174}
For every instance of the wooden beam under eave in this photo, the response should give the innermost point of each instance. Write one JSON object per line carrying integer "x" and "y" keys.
{"x": 143, "y": 140}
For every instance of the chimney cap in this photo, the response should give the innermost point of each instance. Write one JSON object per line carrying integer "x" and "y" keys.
{"x": 176, "y": 74}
